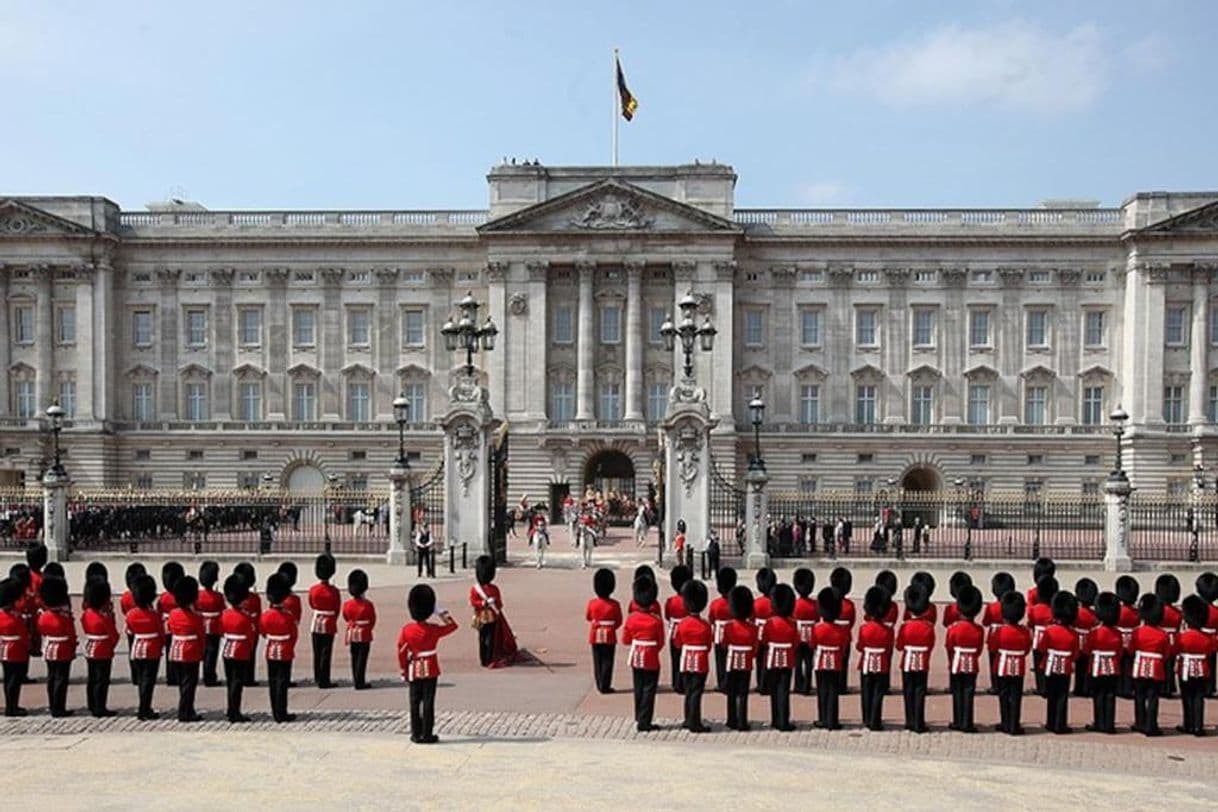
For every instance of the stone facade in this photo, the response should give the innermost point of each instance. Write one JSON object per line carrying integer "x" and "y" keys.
{"x": 207, "y": 348}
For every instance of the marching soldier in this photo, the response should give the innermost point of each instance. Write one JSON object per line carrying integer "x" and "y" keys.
{"x": 720, "y": 614}
{"x": 210, "y": 605}
{"x": 35, "y": 560}
{"x": 842, "y": 580}
{"x": 186, "y": 631}
{"x": 1010, "y": 644}
{"x": 127, "y": 602}
{"x": 674, "y": 612}
{"x": 915, "y": 641}
{"x": 1127, "y": 589}
{"x": 806, "y": 615}
{"x": 171, "y": 573}
{"x": 991, "y": 619}
{"x": 1058, "y": 646}
{"x": 419, "y": 662}
{"x": 238, "y": 628}
{"x": 1040, "y": 616}
{"x": 278, "y": 626}
{"x": 780, "y": 637}
{"x": 874, "y": 646}
{"x": 740, "y": 640}
{"x": 1149, "y": 647}
{"x": 1192, "y": 664}
{"x": 325, "y": 601}
{"x": 1040, "y": 568}
{"x": 1085, "y": 590}
{"x": 604, "y": 616}
{"x": 360, "y": 617}
{"x": 763, "y": 610}
{"x": 831, "y": 639}
{"x": 101, "y": 636}
{"x": 964, "y": 642}
{"x": 1104, "y": 652}
{"x": 147, "y": 639}
{"x": 694, "y": 638}
{"x": 58, "y": 641}
{"x": 644, "y": 632}
{"x": 1207, "y": 590}
{"x": 252, "y": 606}
{"x": 1167, "y": 590}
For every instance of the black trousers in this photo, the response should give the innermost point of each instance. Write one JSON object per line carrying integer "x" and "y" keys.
{"x": 803, "y": 669}
{"x": 234, "y": 684}
{"x": 278, "y": 675}
{"x": 426, "y": 563}
{"x": 737, "y": 689}
{"x": 1211, "y": 684}
{"x": 130, "y": 662}
{"x": 359, "y": 663}
{"x": 1125, "y": 686}
{"x": 1082, "y": 675}
{"x": 964, "y": 692}
{"x": 602, "y": 666}
{"x": 695, "y": 685}
{"x": 1038, "y": 664}
{"x": 58, "y": 675}
{"x": 721, "y": 669}
{"x": 913, "y": 687}
{"x": 842, "y": 686}
{"x": 145, "y": 683}
{"x": 872, "y": 688}
{"x": 1146, "y": 706}
{"x": 1057, "y": 703}
{"x": 1103, "y": 703}
{"x": 1192, "y": 696}
{"x": 188, "y": 685}
{"x": 1010, "y": 703}
{"x": 828, "y": 684}
{"x": 678, "y": 679}
{"x": 323, "y": 652}
{"x": 1169, "y": 682}
{"x": 171, "y": 668}
{"x": 645, "y": 684}
{"x": 763, "y": 687}
{"x": 422, "y": 709}
{"x": 779, "y": 688}
{"x": 486, "y": 644}
{"x": 251, "y": 677}
{"x": 14, "y": 678}
{"x": 211, "y": 658}
{"x": 97, "y": 689}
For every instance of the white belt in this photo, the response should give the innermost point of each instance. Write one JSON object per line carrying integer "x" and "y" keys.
{"x": 873, "y": 656}
{"x": 56, "y": 639}
{"x": 1169, "y": 630}
{"x": 1056, "y": 654}
{"x": 278, "y": 637}
{"x": 10, "y": 637}
{"x": 1005, "y": 655}
{"x": 324, "y": 612}
{"x": 422, "y": 654}
{"x": 841, "y": 622}
{"x": 210, "y": 614}
{"x": 804, "y": 624}
{"x": 737, "y": 649}
{"x": 759, "y": 621}
{"x": 90, "y": 637}
{"x": 1138, "y": 656}
{"x": 958, "y": 657}
{"x": 644, "y": 643}
{"x": 695, "y": 648}
{"x": 911, "y": 651}
{"x": 606, "y": 623}
{"x": 186, "y": 637}
{"x": 231, "y": 636}
{"x": 1210, "y": 632}
{"x": 361, "y": 623}
{"x": 147, "y": 636}
{"x": 1187, "y": 663}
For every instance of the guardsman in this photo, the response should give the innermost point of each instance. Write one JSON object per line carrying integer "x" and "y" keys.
{"x": 147, "y": 639}
{"x": 1150, "y": 648}
{"x": 740, "y": 639}
{"x": 763, "y": 610}
{"x": 210, "y": 606}
{"x": 419, "y": 662}
{"x": 674, "y": 612}
{"x": 14, "y": 645}
{"x": 101, "y": 636}
{"x": 1086, "y": 591}
{"x": 171, "y": 573}
{"x": 780, "y": 638}
{"x": 1058, "y": 648}
{"x": 842, "y": 580}
{"x": 1192, "y": 664}
{"x": 964, "y": 642}
{"x": 127, "y": 602}
{"x": 252, "y": 606}
{"x": 1167, "y": 590}
{"x": 186, "y": 631}
{"x": 35, "y": 560}
{"x": 958, "y": 581}
{"x": 830, "y": 639}
{"x": 1104, "y": 651}
{"x": 720, "y": 614}
{"x": 325, "y": 601}
{"x": 931, "y": 613}
{"x": 991, "y": 618}
{"x": 874, "y": 645}
{"x": 1040, "y": 568}
{"x": 1040, "y": 616}
{"x": 644, "y": 633}
{"x": 604, "y": 617}
{"x": 694, "y": 637}
{"x": 237, "y": 627}
{"x": 1127, "y": 589}
{"x": 1010, "y": 644}
{"x": 806, "y": 615}
{"x": 360, "y": 617}
{"x": 278, "y": 626}
{"x": 58, "y": 641}
{"x": 916, "y": 641}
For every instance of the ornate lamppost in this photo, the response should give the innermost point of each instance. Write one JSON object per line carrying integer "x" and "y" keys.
{"x": 401, "y": 416}
{"x": 689, "y": 332}
{"x": 968, "y": 525}
{"x": 756, "y": 415}
{"x": 55, "y": 416}
{"x": 1118, "y": 417}
{"x": 1194, "y": 513}
{"x": 328, "y": 508}
{"x": 464, "y": 333}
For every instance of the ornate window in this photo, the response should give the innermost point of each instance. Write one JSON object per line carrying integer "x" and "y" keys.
{"x": 658, "y": 380}
{"x": 414, "y": 380}
{"x": 611, "y": 324}
{"x": 1037, "y": 328}
{"x": 249, "y": 326}
{"x": 143, "y": 393}
{"x": 810, "y": 321}
{"x": 1094, "y": 328}
{"x": 655, "y": 320}
{"x": 809, "y": 389}
{"x": 195, "y": 394}
{"x": 196, "y": 327}
{"x": 67, "y": 395}
{"x": 304, "y": 326}
{"x": 359, "y": 327}
{"x": 1173, "y": 404}
{"x": 924, "y": 327}
{"x": 413, "y": 329}
{"x": 562, "y": 395}
{"x": 25, "y": 399}
{"x": 867, "y": 327}
{"x": 564, "y": 325}
{"x": 23, "y": 324}
{"x": 754, "y": 327}
{"x": 867, "y": 381}
{"x": 65, "y": 324}
{"x": 358, "y": 393}
{"x": 304, "y": 381}
{"x": 141, "y": 328}
{"x": 1173, "y": 325}
{"x": 979, "y": 328}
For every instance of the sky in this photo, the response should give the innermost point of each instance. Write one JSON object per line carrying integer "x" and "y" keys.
{"x": 400, "y": 105}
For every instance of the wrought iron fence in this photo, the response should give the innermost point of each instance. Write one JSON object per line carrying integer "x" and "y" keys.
{"x": 427, "y": 505}
{"x": 727, "y": 518}
{"x": 1181, "y": 528}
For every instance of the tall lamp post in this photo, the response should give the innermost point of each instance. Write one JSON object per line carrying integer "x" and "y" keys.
{"x": 328, "y": 508}
{"x": 464, "y": 333}
{"x": 1118, "y": 417}
{"x": 756, "y": 415}
{"x": 1194, "y": 513}
{"x": 401, "y": 416}
{"x": 689, "y": 332}
{"x": 968, "y": 526}
{"x": 55, "y": 416}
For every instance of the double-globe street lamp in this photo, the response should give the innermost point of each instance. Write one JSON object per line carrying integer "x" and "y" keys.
{"x": 688, "y": 331}
{"x": 464, "y": 333}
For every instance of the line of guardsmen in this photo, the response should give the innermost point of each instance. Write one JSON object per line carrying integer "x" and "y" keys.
{"x": 1119, "y": 644}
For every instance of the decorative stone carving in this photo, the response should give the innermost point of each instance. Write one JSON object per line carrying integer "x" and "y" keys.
{"x": 1011, "y": 277}
{"x": 168, "y": 276}
{"x": 724, "y": 271}
{"x": 18, "y": 223}
{"x": 332, "y": 276}
{"x": 496, "y": 271}
{"x": 954, "y": 277}
{"x": 222, "y": 277}
{"x": 518, "y": 303}
{"x": 558, "y": 461}
{"x": 686, "y": 391}
{"x": 689, "y": 456}
{"x": 840, "y": 275}
{"x": 538, "y": 270}
{"x": 1156, "y": 273}
{"x": 277, "y": 276}
{"x": 613, "y": 211}
{"x": 387, "y": 276}
{"x": 897, "y": 277}
{"x": 706, "y": 303}
{"x": 585, "y": 267}
{"x": 440, "y": 275}
{"x": 466, "y": 389}
{"x": 1069, "y": 277}
{"x": 683, "y": 271}
{"x": 634, "y": 267}
{"x": 466, "y": 442}
{"x": 782, "y": 275}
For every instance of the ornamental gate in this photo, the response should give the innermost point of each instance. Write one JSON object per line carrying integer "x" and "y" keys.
{"x": 726, "y": 511}
{"x": 427, "y": 506}
{"x": 497, "y": 507}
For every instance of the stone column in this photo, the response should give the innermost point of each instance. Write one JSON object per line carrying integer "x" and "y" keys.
{"x": 756, "y": 508}
{"x": 44, "y": 339}
{"x": 104, "y": 397}
{"x": 55, "y": 485}
{"x": 1198, "y": 347}
{"x": 497, "y": 363}
{"x": 440, "y": 360}
{"x": 723, "y": 359}
{"x": 1116, "y": 523}
{"x": 399, "y": 514}
{"x": 85, "y": 336}
{"x": 585, "y": 403}
{"x": 226, "y": 342}
{"x": 333, "y": 326}
{"x": 537, "y": 324}
{"x": 6, "y": 349}
{"x": 167, "y": 339}
{"x": 279, "y": 342}
{"x": 687, "y": 461}
{"x": 468, "y": 426}
{"x": 634, "y": 341}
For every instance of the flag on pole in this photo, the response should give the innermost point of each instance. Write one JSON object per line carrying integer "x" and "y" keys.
{"x": 628, "y": 101}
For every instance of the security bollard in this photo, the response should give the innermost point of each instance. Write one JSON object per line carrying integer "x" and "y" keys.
{"x": 452, "y": 560}
{"x": 464, "y": 553}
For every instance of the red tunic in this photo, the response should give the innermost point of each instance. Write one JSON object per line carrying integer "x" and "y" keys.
{"x": 874, "y": 643}
{"x": 763, "y": 610}
{"x": 238, "y": 631}
{"x": 186, "y": 632}
{"x": 1031, "y": 595}
{"x": 488, "y": 598}
{"x": 1193, "y": 649}
{"x": 951, "y": 613}
{"x": 1150, "y": 647}
{"x": 830, "y": 641}
{"x": 1171, "y": 622}
{"x": 915, "y": 640}
{"x": 645, "y": 634}
{"x": 252, "y": 607}
{"x": 58, "y": 635}
{"x": 992, "y": 616}
{"x": 694, "y": 638}
{"x": 210, "y": 606}
{"x": 806, "y": 615}
{"x": 1126, "y": 623}
{"x": 931, "y": 614}
{"x": 292, "y": 605}
{"x": 325, "y": 601}
{"x": 101, "y": 635}
{"x": 165, "y": 604}
{"x": 148, "y": 634}
{"x": 14, "y": 637}
{"x": 740, "y": 637}
{"x": 719, "y": 614}
{"x": 889, "y": 619}
{"x": 780, "y": 636}
{"x": 964, "y": 641}
{"x": 126, "y": 602}
{"x": 654, "y": 609}
{"x": 1010, "y": 644}
{"x": 417, "y": 657}
{"x": 1104, "y": 646}
{"x": 1211, "y": 622}
{"x": 604, "y": 616}
{"x": 674, "y": 612}
{"x": 1083, "y": 624}
{"x": 1040, "y": 617}
{"x": 279, "y": 628}
{"x": 1058, "y": 647}
{"x": 360, "y": 616}
{"x": 848, "y": 614}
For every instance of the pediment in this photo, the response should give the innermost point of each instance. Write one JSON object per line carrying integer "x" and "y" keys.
{"x": 248, "y": 370}
{"x": 924, "y": 371}
{"x": 753, "y": 372}
{"x": 1038, "y": 371}
{"x": 867, "y": 371}
{"x": 609, "y": 206}
{"x": 194, "y": 370}
{"x": 19, "y": 219}
{"x": 1096, "y": 371}
{"x": 1201, "y": 220}
{"x": 142, "y": 370}
{"x": 981, "y": 371}
{"x": 811, "y": 371}
{"x": 304, "y": 370}
{"x": 358, "y": 369}
{"x": 413, "y": 371}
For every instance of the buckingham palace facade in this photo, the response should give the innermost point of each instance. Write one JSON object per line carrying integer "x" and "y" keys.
{"x": 220, "y": 349}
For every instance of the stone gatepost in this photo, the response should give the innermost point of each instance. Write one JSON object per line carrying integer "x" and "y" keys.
{"x": 468, "y": 427}
{"x": 756, "y": 508}
{"x": 687, "y": 461}
{"x": 55, "y": 487}
{"x": 1116, "y": 523}
{"x": 399, "y": 515}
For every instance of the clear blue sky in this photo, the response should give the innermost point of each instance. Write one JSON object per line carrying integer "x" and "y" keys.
{"x": 406, "y": 105}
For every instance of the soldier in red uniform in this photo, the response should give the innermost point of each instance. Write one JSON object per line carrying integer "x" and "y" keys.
{"x": 237, "y": 628}
{"x": 1127, "y": 589}
{"x": 1058, "y": 646}
{"x": 147, "y": 640}
{"x": 1194, "y": 648}
{"x": 915, "y": 641}
{"x": 279, "y": 628}
{"x": 931, "y": 612}
{"x": 1010, "y": 644}
{"x": 644, "y": 632}
{"x": 763, "y": 610}
{"x": 780, "y": 636}
{"x": 1167, "y": 590}
{"x": 720, "y": 614}
{"x": 1040, "y": 568}
{"x": 127, "y": 602}
{"x": 210, "y": 605}
{"x": 14, "y": 645}
{"x": 740, "y": 639}
{"x": 58, "y": 641}
{"x": 1104, "y": 649}
{"x": 325, "y": 601}
{"x": 958, "y": 581}
{"x": 1040, "y": 616}
{"x": 644, "y": 571}
{"x": 35, "y": 560}
{"x": 1085, "y": 590}
{"x": 101, "y": 636}
{"x": 360, "y": 617}
{"x": 171, "y": 573}
{"x": 842, "y": 580}
{"x": 496, "y": 643}
{"x": 1150, "y": 648}
{"x": 1207, "y": 590}
{"x": 694, "y": 639}
{"x": 806, "y": 615}
{"x": 604, "y": 616}
{"x": 187, "y": 644}
{"x": 419, "y": 662}
{"x": 674, "y": 612}
{"x": 991, "y": 619}
{"x": 964, "y": 641}
{"x": 292, "y": 602}
{"x": 874, "y": 646}
{"x": 887, "y": 579}
{"x": 830, "y": 640}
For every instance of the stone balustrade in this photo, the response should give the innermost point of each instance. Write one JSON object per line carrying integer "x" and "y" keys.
{"x": 1108, "y": 221}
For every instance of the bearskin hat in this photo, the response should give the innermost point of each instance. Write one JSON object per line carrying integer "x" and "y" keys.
{"x": 741, "y": 602}
{"x": 11, "y": 591}
{"x": 54, "y": 592}
{"x": 766, "y": 580}
{"x": 484, "y": 569}
{"x": 97, "y": 593}
{"x": 421, "y": 602}
{"x": 643, "y": 571}
{"x": 1041, "y": 567}
{"x": 288, "y": 570}
{"x": 782, "y": 598}
{"x": 1207, "y": 586}
{"x": 54, "y": 570}
{"x": 277, "y": 589}
{"x": 36, "y": 556}
{"x": 1065, "y": 608}
{"x": 1046, "y": 588}
{"x": 804, "y": 581}
{"x": 917, "y": 601}
{"x": 1001, "y": 584}
{"x": 1127, "y": 589}
{"x": 144, "y": 591}
{"x": 679, "y": 575}
{"x": 324, "y": 567}
{"x": 209, "y": 573}
{"x": 236, "y": 590}
{"x": 969, "y": 601}
{"x": 1196, "y": 611}
{"x": 888, "y": 580}
{"x": 1150, "y": 609}
{"x": 1167, "y": 588}
{"x": 186, "y": 591}
{"x": 1108, "y": 608}
{"x": 829, "y": 604}
{"x": 876, "y": 602}
{"x": 21, "y": 572}
{"x": 96, "y": 569}
{"x": 604, "y": 582}
{"x": 134, "y": 570}
{"x": 680, "y": 525}
{"x": 246, "y": 570}
{"x": 958, "y": 581}
{"x": 1086, "y": 590}
{"x": 694, "y": 596}
{"x": 1013, "y": 607}
{"x": 924, "y": 580}
{"x": 645, "y": 592}
{"x": 171, "y": 573}
{"x": 725, "y": 581}
{"x": 841, "y": 580}
{"x": 357, "y": 583}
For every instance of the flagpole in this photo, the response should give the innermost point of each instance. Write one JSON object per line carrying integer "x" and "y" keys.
{"x": 614, "y": 106}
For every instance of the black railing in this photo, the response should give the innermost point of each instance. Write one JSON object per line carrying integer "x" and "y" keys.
{"x": 727, "y": 519}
